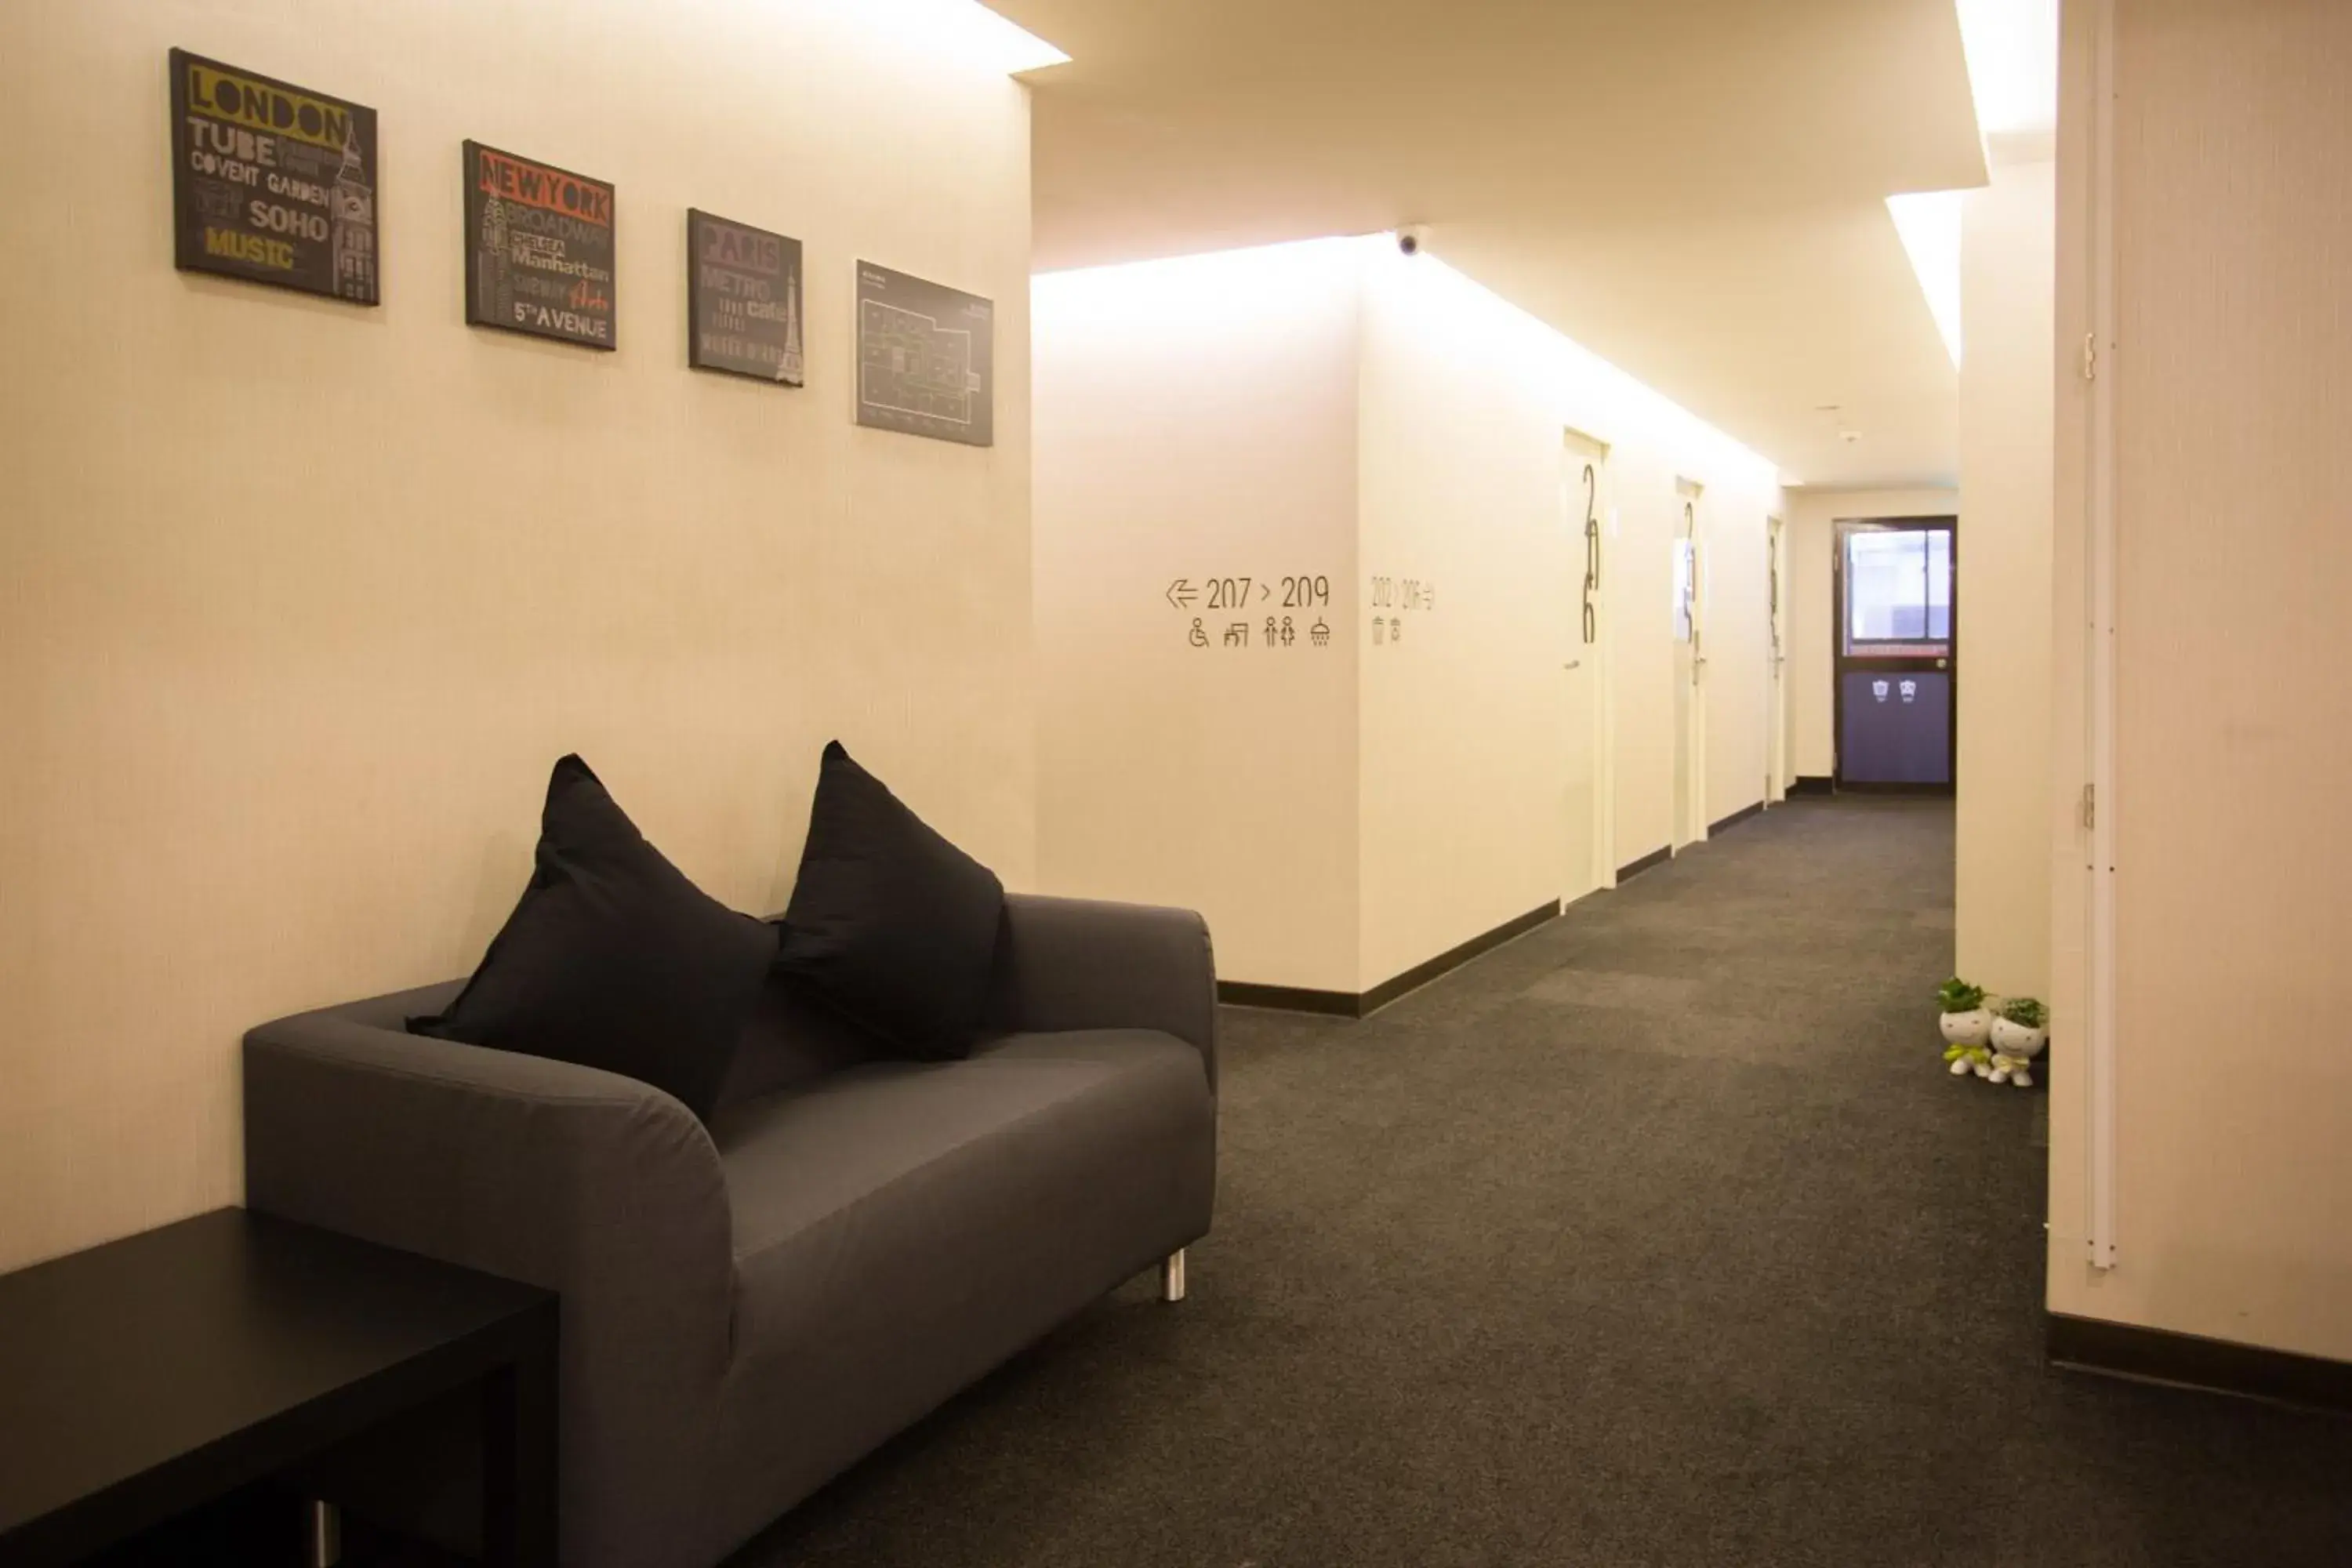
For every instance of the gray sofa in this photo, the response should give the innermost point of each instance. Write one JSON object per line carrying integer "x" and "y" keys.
{"x": 750, "y": 1307}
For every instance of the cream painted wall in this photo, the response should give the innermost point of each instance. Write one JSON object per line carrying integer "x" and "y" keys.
{"x": 1186, "y": 415}
{"x": 1738, "y": 644}
{"x": 2234, "y": 1091}
{"x": 303, "y": 599}
{"x": 1197, "y": 420}
{"x": 1813, "y": 516}
{"x": 1467, "y": 738}
{"x": 1466, "y": 401}
{"x": 1464, "y": 722}
{"x": 2002, "y": 907}
{"x": 1638, "y": 566}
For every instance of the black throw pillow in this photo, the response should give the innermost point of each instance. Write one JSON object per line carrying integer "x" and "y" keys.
{"x": 890, "y": 923}
{"x": 612, "y": 959}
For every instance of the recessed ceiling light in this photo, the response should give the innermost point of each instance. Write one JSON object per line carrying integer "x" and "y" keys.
{"x": 965, "y": 29}
{"x": 1929, "y": 223}
{"x": 1014, "y": 47}
{"x": 2013, "y": 54}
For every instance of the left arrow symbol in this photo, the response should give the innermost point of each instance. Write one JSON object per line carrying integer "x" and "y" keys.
{"x": 1180, "y": 592}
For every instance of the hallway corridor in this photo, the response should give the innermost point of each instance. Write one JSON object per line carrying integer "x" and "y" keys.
{"x": 1659, "y": 1235}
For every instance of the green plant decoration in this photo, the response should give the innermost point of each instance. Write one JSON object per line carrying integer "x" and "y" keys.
{"x": 2026, "y": 1013}
{"x": 1956, "y": 995}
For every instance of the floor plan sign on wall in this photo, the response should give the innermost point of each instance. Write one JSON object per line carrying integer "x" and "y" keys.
{"x": 926, "y": 358}
{"x": 538, "y": 248}
{"x": 272, "y": 181}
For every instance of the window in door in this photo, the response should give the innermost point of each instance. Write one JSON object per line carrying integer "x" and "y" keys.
{"x": 1898, "y": 593}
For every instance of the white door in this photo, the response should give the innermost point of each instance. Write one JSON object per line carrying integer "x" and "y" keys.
{"x": 1588, "y": 802}
{"x": 1690, "y": 675}
{"x": 1775, "y": 780}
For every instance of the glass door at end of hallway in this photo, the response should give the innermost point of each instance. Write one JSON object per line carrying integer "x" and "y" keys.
{"x": 1897, "y": 653}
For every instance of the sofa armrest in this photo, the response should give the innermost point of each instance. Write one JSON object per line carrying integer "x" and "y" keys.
{"x": 597, "y": 1187}
{"x": 1076, "y": 964}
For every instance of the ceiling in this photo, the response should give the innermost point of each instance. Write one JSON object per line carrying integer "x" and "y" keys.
{"x": 1693, "y": 189}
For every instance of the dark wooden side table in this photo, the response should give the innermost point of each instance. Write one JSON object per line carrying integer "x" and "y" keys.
{"x": 142, "y": 1378}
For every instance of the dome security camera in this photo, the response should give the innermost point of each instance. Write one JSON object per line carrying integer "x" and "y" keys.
{"x": 1412, "y": 237}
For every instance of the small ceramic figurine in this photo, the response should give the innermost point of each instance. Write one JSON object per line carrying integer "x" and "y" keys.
{"x": 2019, "y": 1031}
{"x": 1967, "y": 1025}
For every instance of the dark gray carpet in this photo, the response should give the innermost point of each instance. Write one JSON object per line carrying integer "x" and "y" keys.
{"x": 1657, "y": 1236}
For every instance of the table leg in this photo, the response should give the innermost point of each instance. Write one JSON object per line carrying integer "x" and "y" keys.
{"x": 519, "y": 1509}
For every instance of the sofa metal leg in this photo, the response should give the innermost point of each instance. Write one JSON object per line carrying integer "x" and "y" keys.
{"x": 1172, "y": 1275}
{"x": 323, "y": 1547}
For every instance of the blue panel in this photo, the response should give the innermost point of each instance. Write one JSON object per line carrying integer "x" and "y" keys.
{"x": 1897, "y": 727}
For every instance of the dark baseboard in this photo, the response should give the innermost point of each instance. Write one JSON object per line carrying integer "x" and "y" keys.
{"x": 2190, "y": 1360}
{"x": 1811, "y": 784}
{"x": 1346, "y": 1005}
{"x": 1735, "y": 818}
{"x": 1847, "y": 786}
{"x": 1420, "y": 974}
{"x": 1655, "y": 857}
{"x": 1289, "y": 998}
